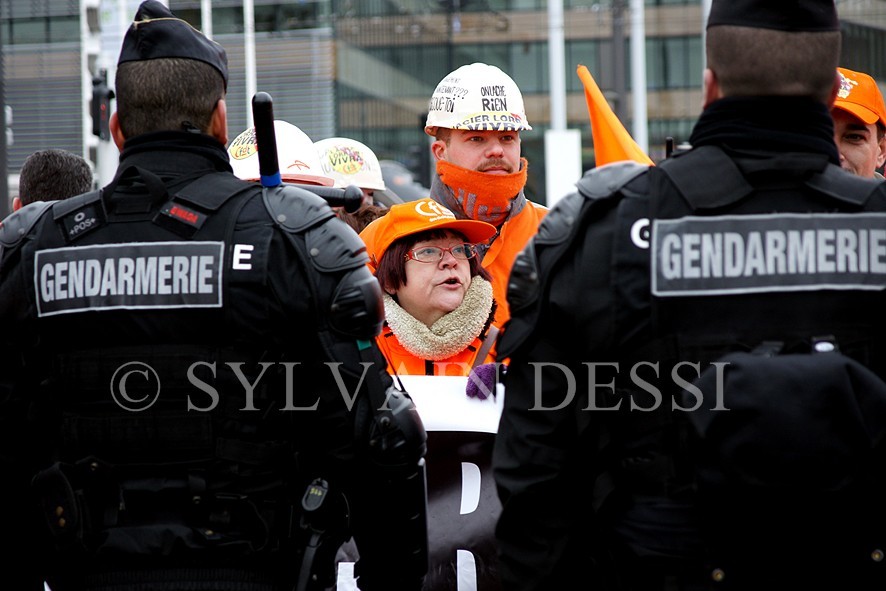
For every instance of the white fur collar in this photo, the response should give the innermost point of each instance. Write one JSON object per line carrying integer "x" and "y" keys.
{"x": 451, "y": 333}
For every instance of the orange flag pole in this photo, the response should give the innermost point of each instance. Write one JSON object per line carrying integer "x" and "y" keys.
{"x": 612, "y": 142}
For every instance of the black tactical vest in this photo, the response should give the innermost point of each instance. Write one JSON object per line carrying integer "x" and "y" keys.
{"x": 789, "y": 256}
{"x": 711, "y": 254}
{"x": 163, "y": 409}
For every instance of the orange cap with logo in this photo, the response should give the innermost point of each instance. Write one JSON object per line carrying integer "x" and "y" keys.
{"x": 412, "y": 217}
{"x": 860, "y": 96}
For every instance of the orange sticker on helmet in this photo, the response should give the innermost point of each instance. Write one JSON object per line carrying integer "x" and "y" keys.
{"x": 345, "y": 160}
{"x": 244, "y": 145}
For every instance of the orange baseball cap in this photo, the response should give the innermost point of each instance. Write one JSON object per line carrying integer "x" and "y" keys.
{"x": 860, "y": 95}
{"x": 412, "y": 217}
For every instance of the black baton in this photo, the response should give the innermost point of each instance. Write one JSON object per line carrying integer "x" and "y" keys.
{"x": 266, "y": 139}
{"x": 351, "y": 197}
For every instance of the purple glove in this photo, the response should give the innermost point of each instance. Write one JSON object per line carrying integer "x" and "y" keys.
{"x": 482, "y": 381}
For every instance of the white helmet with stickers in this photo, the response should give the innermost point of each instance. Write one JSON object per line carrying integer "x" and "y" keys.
{"x": 349, "y": 162}
{"x": 479, "y": 97}
{"x": 295, "y": 154}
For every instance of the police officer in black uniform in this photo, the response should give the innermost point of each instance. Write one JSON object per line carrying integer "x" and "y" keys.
{"x": 190, "y": 396}
{"x": 646, "y": 267}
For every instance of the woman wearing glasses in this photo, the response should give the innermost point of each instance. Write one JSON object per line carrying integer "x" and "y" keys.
{"x": 438, "y": 298}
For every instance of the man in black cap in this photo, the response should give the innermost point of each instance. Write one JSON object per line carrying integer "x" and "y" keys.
{"x": 191, "y": 397}
{"x": 608, "y": 455}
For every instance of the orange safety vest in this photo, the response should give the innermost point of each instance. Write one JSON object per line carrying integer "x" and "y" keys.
{"x": 499, "y": 259}
{"x": 402, "y": 362}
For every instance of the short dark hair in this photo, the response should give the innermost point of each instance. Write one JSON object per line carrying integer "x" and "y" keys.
{"x": 48, "y": 175}
{"x": 767, "y": 62}
{"x": 391, "y": 270}
{"x": 162, "y": 94}
{"x": 444, "y": 134}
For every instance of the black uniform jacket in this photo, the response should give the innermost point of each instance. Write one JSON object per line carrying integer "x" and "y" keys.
{"x": 167, "y": 392}
{"x": 623, "y": 277}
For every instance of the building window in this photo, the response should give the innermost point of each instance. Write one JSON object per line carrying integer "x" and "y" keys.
{"x": 667, "y": 2}
{"x": 268, "y": 18}
{"x": 529, "y": 67}
{"x": 673, "y": 62}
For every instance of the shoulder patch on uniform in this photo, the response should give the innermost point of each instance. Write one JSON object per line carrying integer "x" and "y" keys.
{"x": 79, "y": 215}
{"x": 785, "y": 252}
{"x": 606, "y": 180}
{"x": 295, "y": 209}
{"x": 17, "y": 225}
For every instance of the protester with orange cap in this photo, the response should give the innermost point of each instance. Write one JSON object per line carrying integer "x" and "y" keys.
{"x": 476, "y": 115}
{"x": 860, "y": 124}
{"x": 438, "y": 298}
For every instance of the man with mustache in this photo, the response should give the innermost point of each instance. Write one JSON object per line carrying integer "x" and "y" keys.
{"x": 476, "y": 115}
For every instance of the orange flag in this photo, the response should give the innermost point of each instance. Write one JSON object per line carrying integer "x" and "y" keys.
{"x": 612, "y": 142}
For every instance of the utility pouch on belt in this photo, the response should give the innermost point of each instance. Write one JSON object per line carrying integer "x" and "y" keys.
{"x": 77, "y": 499}
{"x": 59, "y": 502}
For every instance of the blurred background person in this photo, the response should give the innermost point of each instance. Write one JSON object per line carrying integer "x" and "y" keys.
{"x": 860, "y": 124}
{"x": 49, "y": 175}
{"x": 349, "y": 162}
{"x": 296, "y": 156}
{"x": 299, "y": 163}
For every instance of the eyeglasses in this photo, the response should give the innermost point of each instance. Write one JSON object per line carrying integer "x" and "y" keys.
{"x": 434, "y": 254}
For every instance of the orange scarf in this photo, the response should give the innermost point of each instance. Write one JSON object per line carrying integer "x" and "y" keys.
{"x": 478, "y": 195}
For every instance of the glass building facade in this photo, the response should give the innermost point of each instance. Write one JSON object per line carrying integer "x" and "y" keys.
{"x": 366, "y": 68}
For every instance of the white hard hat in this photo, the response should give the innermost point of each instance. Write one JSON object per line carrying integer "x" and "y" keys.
{"x": 479, "y": 97}
{"x": 295, "y": 154}
{"x": 349, "y": 162}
